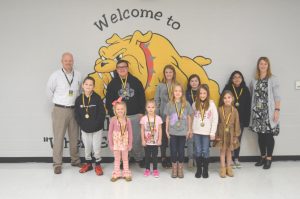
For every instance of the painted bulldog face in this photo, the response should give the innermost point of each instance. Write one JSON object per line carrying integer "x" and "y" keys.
{"x": 127, "y": 49}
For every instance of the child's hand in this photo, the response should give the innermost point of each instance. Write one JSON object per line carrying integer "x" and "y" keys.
{"x": 235, "y": 140}
{"x": 143, "y": 143}
{"x": 159, "y": 143}
{"x": 168, "y": 135}
{"x": 212, "y": 137}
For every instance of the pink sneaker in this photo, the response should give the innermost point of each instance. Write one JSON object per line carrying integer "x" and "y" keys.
{"x": 147, "y": 173}
{"x": 156, "y": 173}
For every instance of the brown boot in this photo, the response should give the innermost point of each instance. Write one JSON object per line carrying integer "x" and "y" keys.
{"x": 174, "y": 170}
{"x": 229, "y": 171}
{"x": 180, "y": 170}
{"x": 222, "y": 172}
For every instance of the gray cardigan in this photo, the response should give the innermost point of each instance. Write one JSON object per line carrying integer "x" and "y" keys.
{"x": 273, "y": 96}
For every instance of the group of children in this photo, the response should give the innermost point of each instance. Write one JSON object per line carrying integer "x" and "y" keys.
{"x": 173, "y": 118}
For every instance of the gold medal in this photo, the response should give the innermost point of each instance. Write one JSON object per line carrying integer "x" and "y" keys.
{"x": 179, "y": 113}
{"x": 86, "y": 107}
{"x": 226, "y": 129}
{"x": 178, "y": 124}
{"x": 125, "y": 93}
{"x": 152, "y": 128}
{"x": 122, "y": 127}
{"x": 202, "y": 112}
{"x": 202, "y": 124}
{"x": 237, "y": 96}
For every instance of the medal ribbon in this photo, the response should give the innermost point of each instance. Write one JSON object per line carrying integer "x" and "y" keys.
{"x": 229, "y": 116}
{"x": 179, "y": 113}
{"x": 122, "y": 129}
{"x": 124, "y": 82}
{"x": 83, "y": 103}
{"x": 69, "y": 82}
{"x": 202, "y": 111}
{"x": 151, "y": 127}
{"x": 169, "y": 91}
{"x": 192, "y": 95}
{"x": 235, "y": 93}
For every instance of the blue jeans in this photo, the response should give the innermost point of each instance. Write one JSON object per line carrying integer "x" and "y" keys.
{"x": 201, "y": 145}
{"x": 177, "y": 144}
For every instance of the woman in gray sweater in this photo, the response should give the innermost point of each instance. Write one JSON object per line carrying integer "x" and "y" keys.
{"x": 265, "y": 108}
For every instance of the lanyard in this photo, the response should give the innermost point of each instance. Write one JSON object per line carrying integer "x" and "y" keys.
{"x": 151, "y": 127}
{"x": 83, "y": 103}
{"x": 69, "y": 82}
{"x": 202, "y": 111}
{"x": 169, "y": 91}
{"x": 235, "y": 93}
{"x": 192, "y": 95}
{"x": 124, "y": 83}
{"x": 122, "y": 129}
{"x": 229, "y": 116}
{"x": 179, "y": 113}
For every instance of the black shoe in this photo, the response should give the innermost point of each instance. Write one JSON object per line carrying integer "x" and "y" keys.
{"x": 205, "y": 167}
{"x": 260, "y": 162}
{"x": 199, "y": 161}
{"x": 142, "y": 164}
{"x": 267, "y": 164}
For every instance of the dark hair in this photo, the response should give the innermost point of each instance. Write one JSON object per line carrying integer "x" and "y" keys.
{"x": 123, "y": 61}
{"x": 206, "y": 101}
{"x": 222, "y": 97}
{"x": 190, "y": 78}
{"x": 89, "y": 78}
{"x": 229, "y": 83}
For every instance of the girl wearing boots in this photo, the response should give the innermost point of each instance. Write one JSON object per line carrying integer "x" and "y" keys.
{"x": 205, "y": 122}
{"x": 162, "y": 97}
{"x": 227, "y": 137}
{"x": 190, "y": 94}
{"x": 236, "y": 84}
{"x": 178, "y": 128}
{"x": 265, "y": 110}
{"x": 120, "y": 140}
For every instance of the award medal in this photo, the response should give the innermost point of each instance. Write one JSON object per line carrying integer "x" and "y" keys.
{"x": 227, "y": 119}
{"x": 86, "y": 107}
{"x": 237, "y": 104}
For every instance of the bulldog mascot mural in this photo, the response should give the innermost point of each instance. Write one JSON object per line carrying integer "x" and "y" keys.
{"x": 147, "y": 55}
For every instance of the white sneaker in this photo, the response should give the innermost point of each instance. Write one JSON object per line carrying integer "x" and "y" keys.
{"x": 237, "y": 164}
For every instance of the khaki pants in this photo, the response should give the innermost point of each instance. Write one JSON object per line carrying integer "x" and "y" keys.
{"x": 63, "y": 119}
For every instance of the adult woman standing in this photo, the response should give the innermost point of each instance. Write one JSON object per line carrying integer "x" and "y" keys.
{"x": 265, "y": 110}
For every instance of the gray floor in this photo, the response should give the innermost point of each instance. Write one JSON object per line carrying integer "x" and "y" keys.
{"x": 36, "y": 180}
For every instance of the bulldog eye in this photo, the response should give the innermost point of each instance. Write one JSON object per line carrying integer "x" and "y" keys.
{"x": 119, "y": 57}
{"x": 103, "y": 58}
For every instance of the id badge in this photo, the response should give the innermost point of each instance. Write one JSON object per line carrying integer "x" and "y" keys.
{"x": 259, "y": 105}
{"x": 71, "y": 92}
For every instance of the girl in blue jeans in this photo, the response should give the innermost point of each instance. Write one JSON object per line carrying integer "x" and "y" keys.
{"x": 205, "y": 122}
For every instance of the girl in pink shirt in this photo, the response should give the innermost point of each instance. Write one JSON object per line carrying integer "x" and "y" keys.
{"x": 120, "y": 140}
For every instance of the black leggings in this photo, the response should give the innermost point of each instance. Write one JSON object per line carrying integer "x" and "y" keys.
{"x": 266, "y": 144}
{"x": 164, "y": 141}
{"x": 151, "y": 151}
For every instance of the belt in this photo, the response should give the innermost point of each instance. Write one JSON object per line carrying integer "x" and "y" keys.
{"x": 62, "y": 106}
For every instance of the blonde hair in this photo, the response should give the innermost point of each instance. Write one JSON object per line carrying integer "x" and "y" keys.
{"x": 174, "y": 73}
{"x": 206, "y": 101}
{"x": 123, "y": 104}
{"x": 183, "y": 99}
{"x": 269, "y": 73}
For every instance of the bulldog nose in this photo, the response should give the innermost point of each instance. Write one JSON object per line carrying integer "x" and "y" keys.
{"x": 103, "y": 64}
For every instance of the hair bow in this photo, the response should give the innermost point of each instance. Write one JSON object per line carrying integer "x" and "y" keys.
{"x": 117, "y": 101}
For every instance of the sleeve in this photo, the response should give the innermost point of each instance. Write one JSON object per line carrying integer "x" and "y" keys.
{"x": 157, "y": 99}
{"x": 237, "y": 129}
{"x": 247, "y": 109}
{"x": 142, "y": 97}
{"x": 110, "y": 134}
{"x": 275, "y": 89}
{"x": 101, "y": 113}
{"x": 159, "y": 120}
{"x": 251, "y": 87}
{"x": 77, "y": 110}
{"x": 167, "y": 109}
{"x": 215, "y": 119}
{"x": 130, "y": 137}
{"x": 142, "y": 120}
{"x": 51, "y": 85}
{"x": 109, "y": 99}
